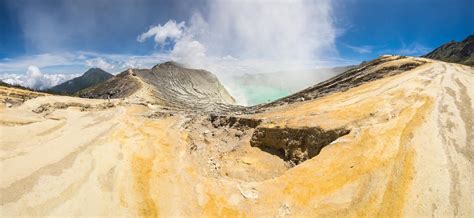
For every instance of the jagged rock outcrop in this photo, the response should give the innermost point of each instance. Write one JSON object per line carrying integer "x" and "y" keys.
{"x": 455, "y": 52}
{"x": 176, "y": 86}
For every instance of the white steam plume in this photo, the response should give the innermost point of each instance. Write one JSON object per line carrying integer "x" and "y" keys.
{"x": 234, "y": 37}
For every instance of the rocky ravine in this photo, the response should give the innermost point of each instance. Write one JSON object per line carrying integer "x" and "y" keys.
{"x": 381, "y": 140}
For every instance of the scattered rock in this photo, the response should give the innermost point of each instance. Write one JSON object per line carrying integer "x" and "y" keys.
{"x": 213, "y": 165}
{"x": 65, "y": 105}
{"x": 42, "y": 108}
{"x": 284, "y": 210}
{"x": 160, "y": 114}
{"x": 239, "y": 133}
{"x": 234, "y": 122}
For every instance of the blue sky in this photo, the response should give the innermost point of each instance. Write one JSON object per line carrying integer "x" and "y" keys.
{"x": 401, "y": 26}
{"x": 70, "y": 36}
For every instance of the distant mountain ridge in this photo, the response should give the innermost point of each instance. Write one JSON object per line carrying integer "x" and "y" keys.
{"x": 90, "y": 78}
{"x": 455, "y": 52}
{"x": 169, "y": 84}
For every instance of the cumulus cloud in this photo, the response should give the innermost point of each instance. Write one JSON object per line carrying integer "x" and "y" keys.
{"x": 100, "y": 63}
{"x": 225, "y": 37}
{"x": 171, "y": 30}
{"x": 281, "y": 34}
{"x": 189, "y": 51}
{"x": 235, "y": 37}
{"x": 34, "y": 79}
{"x": 186, "y": 49}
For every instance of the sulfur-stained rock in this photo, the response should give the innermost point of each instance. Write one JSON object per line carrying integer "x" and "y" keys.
{"x": 390, "y": 138}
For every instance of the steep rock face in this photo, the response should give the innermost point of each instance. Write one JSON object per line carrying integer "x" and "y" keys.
{"x": 167, "y": 84}
{"x": 119, "y": 86}
{"x": 90, "y": 78}
{"x": 406, "y": 149}
{"x": 455, "y": 52}
{"x": 179, "y": 87}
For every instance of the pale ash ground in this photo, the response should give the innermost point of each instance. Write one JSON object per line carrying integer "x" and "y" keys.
{"x": 409, "y": 153}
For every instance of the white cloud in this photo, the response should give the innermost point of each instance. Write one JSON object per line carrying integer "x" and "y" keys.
{"x": 258, "y": 36}
{"x": 12, "y": 78}
{"x": 100, "y": 63}
{"x": 283, "y": 34}
{"x": 225, "y": 37}
{"x": 413, "y": 49}
{"x": 41, "y": 60}
{"x": 363, "y": 49}
{"x": 189, "y": 51}
{"x": 34, "y": 79}
{"x": 170, "y": 30}
{"x": 116, "y": 63}
{"x": 281, "y": 30}
{"x": 78, "y": 62}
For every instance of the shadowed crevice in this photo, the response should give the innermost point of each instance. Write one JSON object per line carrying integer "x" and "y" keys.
{"x": 294, "y": 145}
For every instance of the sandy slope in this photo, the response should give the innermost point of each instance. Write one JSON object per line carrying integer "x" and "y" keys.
{"x": 409, "y": 153}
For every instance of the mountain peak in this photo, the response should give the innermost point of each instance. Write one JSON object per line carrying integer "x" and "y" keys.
{"x": 167, "y": 83}
{"x": 94, "y": 71}
{"x": 168, "y": 64}
{"x": 90, "y": 78}
{"x": 455, "y": 52}
{"x": 469, "y": 38}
